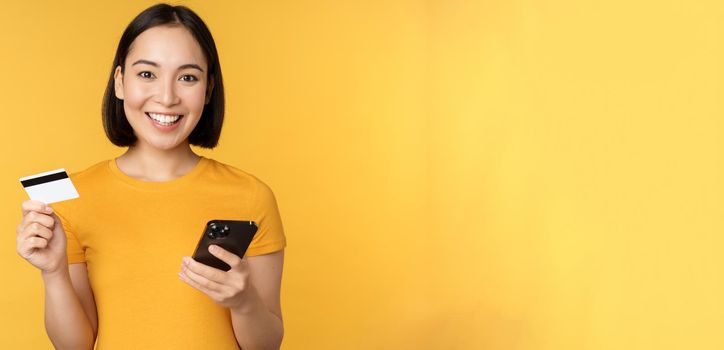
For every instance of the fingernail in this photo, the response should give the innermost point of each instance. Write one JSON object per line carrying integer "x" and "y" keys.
{"x": 213, "y": 249}
{"x": 48, "y": 209}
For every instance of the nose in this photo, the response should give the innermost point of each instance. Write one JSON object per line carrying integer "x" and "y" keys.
{"x": 167, "y": 95}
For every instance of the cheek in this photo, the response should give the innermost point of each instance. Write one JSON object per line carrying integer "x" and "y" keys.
{"x": 194, "y": 99}
{"x": 136, "y": 95}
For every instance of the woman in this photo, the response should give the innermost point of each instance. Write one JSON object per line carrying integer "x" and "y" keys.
{"x": 110, "y": 259}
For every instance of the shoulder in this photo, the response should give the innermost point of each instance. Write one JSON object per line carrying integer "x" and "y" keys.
{"x": 229, "y": 173}
{"x": 83, "y": 181}
{"x": 242, "y": 182}
{"x": 91, "y": 173}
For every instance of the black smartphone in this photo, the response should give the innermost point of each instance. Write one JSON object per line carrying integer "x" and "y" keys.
{"x": 234, "y": 236}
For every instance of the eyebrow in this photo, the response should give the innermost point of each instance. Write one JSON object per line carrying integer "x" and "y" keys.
{"x": 183, "y": 66}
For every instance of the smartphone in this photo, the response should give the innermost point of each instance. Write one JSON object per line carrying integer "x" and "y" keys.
{"x": 234, "y": 236}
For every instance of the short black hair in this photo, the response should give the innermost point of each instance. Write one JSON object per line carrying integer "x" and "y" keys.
{"x": 207, "y": 132}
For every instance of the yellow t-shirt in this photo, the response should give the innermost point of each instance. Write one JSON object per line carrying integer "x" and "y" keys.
{"x": 132, "y": 235}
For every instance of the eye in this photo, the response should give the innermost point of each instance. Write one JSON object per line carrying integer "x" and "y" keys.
{"x": 145, "y": 75}
{"x": 189, "y": 77}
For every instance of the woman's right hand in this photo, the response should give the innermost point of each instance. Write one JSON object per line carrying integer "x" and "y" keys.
{"x": 41, "y": 238}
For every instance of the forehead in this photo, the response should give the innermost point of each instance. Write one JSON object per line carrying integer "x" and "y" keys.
{"x": 170, "y": 46}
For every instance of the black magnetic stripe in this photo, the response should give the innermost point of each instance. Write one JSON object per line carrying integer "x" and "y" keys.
{"x": 43, "y": 179}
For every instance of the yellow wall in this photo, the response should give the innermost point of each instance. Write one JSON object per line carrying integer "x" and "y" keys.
{"x": 451, "y": 174}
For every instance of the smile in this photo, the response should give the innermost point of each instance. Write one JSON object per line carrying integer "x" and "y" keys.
{"x": 164, "y": 119}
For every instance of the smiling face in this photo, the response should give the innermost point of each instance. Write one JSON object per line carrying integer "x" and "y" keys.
{"x": 164, "y": 86}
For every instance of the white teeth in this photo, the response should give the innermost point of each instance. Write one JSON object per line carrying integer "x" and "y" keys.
{"x": 165, "y": 119}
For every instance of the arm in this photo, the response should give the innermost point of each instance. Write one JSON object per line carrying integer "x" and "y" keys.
{"x": 258, "y": 324}
{"x": 70, "y": 312}
{"x": 250, "y": 289}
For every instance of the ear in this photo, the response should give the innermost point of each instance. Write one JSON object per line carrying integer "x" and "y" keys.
{"x": 209, "y": 89}
{"x": 118, "y": 82}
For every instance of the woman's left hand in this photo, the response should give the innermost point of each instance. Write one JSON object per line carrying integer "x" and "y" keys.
{"x": 231, "y": 289}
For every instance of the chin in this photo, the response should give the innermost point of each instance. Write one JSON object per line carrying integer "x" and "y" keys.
{"x": 161, "y": 145}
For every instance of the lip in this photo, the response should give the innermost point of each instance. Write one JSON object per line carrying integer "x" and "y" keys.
{"x": 165, "y": 113}
{"x": 164, "y": 128}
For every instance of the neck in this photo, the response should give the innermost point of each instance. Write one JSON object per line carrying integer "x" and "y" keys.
{"x": 152, "y": 164}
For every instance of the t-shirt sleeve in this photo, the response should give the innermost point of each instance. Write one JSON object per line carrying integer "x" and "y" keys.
{"x": 76, "y": 253}
{"x": 270, "y": 236}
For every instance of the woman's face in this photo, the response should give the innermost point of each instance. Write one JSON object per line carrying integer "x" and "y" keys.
{"x": 164, "y": 86}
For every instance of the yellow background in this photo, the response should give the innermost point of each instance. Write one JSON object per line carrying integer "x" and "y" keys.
{"x": 451, "y": 174}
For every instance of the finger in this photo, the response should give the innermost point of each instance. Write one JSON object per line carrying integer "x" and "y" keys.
{"x": 37, "y": 242}
{"x": 33, "y": 205}
{"x": 208, "y": 272}
{"x": 226, "y": 256}
{"x": 25, "y": 248}
{"x": 201, "y": 281}
{"x": 196, "y": 285}
{"x": 36, "y": 229}
{"x": 43, "y": 219}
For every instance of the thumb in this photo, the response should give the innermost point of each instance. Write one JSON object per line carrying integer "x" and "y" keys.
{"x": 224, "y": 255}
{"x": 57, "y": 220}
{"x": 58, "y": 230}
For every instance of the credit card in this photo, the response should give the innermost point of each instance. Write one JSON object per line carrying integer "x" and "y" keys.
{"x": 50, "y": 186}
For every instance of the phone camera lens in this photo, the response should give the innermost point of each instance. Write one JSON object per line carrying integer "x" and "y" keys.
{"x": 216, "y": 231}
{"x": 213, "y": 230}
